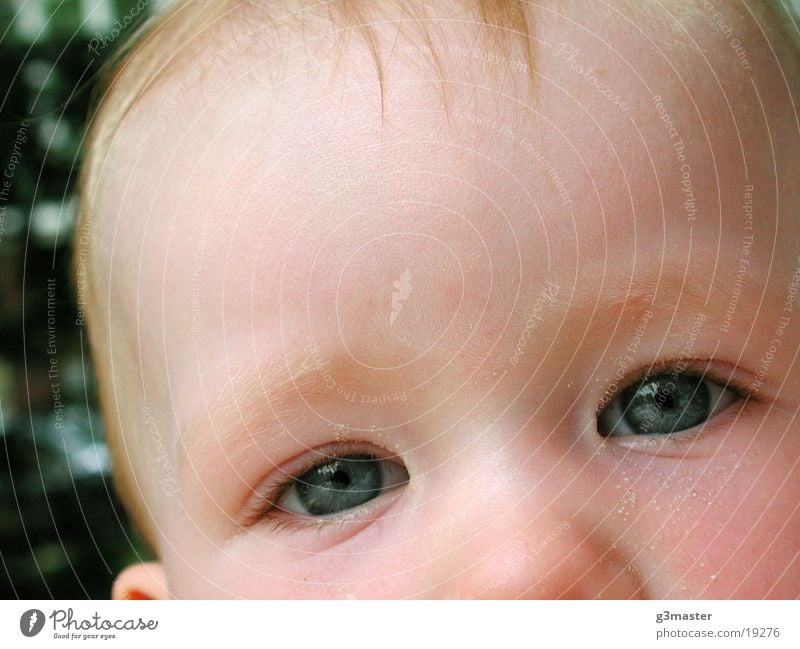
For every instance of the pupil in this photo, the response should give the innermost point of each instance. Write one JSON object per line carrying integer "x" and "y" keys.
{"x": 340, "y": 484}
{"x": 666, "y": 404}
{"x": 664, "y": 400}
{"x": 340, "y": 479}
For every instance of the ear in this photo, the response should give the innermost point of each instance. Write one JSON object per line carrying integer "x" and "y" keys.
{"x": 141, "y": 581}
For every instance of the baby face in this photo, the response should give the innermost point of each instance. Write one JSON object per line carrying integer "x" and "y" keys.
{"x": 478, "y": 344}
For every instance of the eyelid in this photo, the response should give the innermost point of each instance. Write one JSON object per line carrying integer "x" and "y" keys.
{"x": 707, "y": 368}
{"x": 267, "y": 495}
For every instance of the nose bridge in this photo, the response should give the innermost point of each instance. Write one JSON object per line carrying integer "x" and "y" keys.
{"x": 552, "y": 560}
{"x": 530, "y": 548}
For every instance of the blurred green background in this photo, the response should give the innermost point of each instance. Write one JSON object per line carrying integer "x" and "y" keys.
{"x": 63, "y": 533}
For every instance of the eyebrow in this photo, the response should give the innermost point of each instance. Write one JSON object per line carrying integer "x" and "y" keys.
{"x": 254, "y": 393}
{"x": 667, "y": 291}
{"x": 272, "y": 389}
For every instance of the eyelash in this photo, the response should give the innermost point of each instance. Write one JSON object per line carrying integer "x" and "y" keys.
{"x": 668, "y": 365}
{"x": 292, "y": 525}
{"x": 270, "y": 494}
{"x": 275, "y": 488}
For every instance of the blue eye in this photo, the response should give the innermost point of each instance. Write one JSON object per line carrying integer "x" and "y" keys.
{"x": 664, "y": 404}
{"x": 340, "y": 484}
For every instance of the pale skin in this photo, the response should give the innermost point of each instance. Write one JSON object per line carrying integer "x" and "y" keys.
{"x": 259, "y": 234}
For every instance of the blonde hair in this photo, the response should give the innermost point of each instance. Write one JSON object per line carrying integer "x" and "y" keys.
{"x": 150, "y": 56}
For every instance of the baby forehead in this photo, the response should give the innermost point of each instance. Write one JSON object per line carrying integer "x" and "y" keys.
{"x": 609, "y": 119}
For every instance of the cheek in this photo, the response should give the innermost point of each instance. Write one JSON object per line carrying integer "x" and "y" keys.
{"x": 727, "y": 527}
{"x": 723, "y": 526}
{"x": 376, "y": 564}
